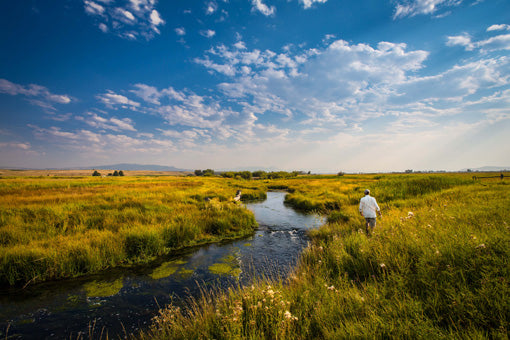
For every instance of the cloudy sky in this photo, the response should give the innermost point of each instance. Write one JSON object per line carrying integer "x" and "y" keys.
{"x": 320, "y": 85}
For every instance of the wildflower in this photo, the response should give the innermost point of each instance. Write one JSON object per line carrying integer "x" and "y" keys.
{"x": 382, "y": 265}
{"x": 480, "y": 246}
{"x": 437, "y": 252}
{"x": 331, "y": 287}
{"x": 473, "y": 237}
{"x": 289, "y": 316}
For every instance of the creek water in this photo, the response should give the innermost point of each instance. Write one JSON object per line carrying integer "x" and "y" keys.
{"x": 122, "y": 301}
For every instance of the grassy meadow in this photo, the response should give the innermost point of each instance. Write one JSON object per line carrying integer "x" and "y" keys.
{"x": 436, "y": 267}
{"x": 53, "y": 228}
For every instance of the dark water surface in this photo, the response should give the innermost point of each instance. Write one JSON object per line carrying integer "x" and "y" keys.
{"x": 122, "y": 301}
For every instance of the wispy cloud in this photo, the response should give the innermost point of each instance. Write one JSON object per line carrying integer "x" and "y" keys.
{"x": 208, "y": 33}
{"x": 181, "y": 31}
{"x": 258, "y": 5}
{"x": 410, "y": 8}
{"x": 112, "y": 100}
{"x": 114, "y": 124}
{"x": 127, "y": 19}
{"x": 501, "y": 27}
{"x": 37, "y": 94}
{"x": 211, "y": 7}
{"x": 308, "y": 3}
{"x": 499, "y": 42}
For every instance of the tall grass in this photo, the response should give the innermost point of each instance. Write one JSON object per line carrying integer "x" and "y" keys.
{"x": 55, "y": 228}
{"x": 436, "y": 267}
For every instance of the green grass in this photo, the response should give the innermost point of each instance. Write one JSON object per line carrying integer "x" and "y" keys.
{"x": 441, "y": 272}
{"x": 53, "y": 228}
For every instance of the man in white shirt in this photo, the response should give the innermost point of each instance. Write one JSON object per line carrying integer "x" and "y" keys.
{"x": 368, "y": 208}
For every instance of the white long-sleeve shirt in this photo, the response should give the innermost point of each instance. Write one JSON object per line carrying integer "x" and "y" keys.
{"x": 368, "y": 206}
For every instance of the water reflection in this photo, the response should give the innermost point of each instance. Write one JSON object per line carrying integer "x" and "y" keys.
{"x": 122, "y": 300}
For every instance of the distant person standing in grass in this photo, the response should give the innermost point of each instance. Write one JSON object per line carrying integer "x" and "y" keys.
{"x": 368, "y": 208}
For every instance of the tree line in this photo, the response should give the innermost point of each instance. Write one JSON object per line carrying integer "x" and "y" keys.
{"x": 259, "y": 174}
{"x": 115, "y": 173}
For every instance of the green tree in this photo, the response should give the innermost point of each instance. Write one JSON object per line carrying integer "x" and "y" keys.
{"x": 121, "y": 173}
{"x": 228, "y": 174}
{"x": 115, "y": 173}
{"x": 96, "y": 173}
{"x": 208, "y": 172}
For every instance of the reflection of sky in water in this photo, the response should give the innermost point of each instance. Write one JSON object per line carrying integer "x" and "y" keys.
{"x": 130, "y": 297}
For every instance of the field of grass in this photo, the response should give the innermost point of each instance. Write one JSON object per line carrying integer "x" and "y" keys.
{"x": 52, "y": 228}
{"x": 437, "y": 266}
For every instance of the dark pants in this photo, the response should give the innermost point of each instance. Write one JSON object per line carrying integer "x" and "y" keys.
{"x": 370, "y": 225}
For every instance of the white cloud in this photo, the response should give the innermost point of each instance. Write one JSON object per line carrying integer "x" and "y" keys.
{"x": 103, "y": 27}
{"x": 93, "y": 145}
{"x": 114, "y": 124}
{"x": 112, "y": 99}
{"x": 93, "y": 8}
{"x": 125, "y": 14}
{"x": 499, "y": 42}
{"x": 416, "y": 7}
{"x": 258, "y": 5}
{"x": 180, "y": 31}
{"x": 128, "y": 19}
{"x": 240, "y": 45}
{"x": 502, "y": 27}
{"x": 309, "y": 3}
{"x": 156, "y": 19}
{"x": 461, "y": 40}
{"x": 208, "y": 33}
{"x": 152, "y": 95}
{"x": 225, "y": 69}
{"x": 211, "y": 7}
{"x": 39, "y": 95}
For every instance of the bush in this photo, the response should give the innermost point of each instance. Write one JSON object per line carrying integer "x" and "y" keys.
{"x": 96, "y": 173}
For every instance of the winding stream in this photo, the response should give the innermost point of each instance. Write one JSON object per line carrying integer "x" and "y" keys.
{"x": 122, "y": 301}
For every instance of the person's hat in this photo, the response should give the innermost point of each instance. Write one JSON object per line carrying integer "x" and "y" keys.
{"x": 367, "y": 191}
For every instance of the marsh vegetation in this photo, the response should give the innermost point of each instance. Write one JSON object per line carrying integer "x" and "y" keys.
{"x": 57, "y": 228}
{"x": 436, "y": 267}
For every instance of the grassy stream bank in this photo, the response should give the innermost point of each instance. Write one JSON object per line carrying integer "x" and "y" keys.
{"x": 437, "y": 267}
{"x": 53, "y": 228}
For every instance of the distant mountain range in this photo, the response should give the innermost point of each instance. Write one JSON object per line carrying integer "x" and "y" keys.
{"x": 121, "y": 166}
{"x": 136, "y": 167}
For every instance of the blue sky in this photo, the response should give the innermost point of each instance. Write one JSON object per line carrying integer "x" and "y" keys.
{"x": 314, "y": 85}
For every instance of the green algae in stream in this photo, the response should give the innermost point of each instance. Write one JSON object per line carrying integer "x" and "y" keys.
{"x": 166, "y": 269}
{"x": 247, "y": 244}
{"x": 186, "y": 273}
{"x": 229, "y": 265}
{"x": 103, "y": 288}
